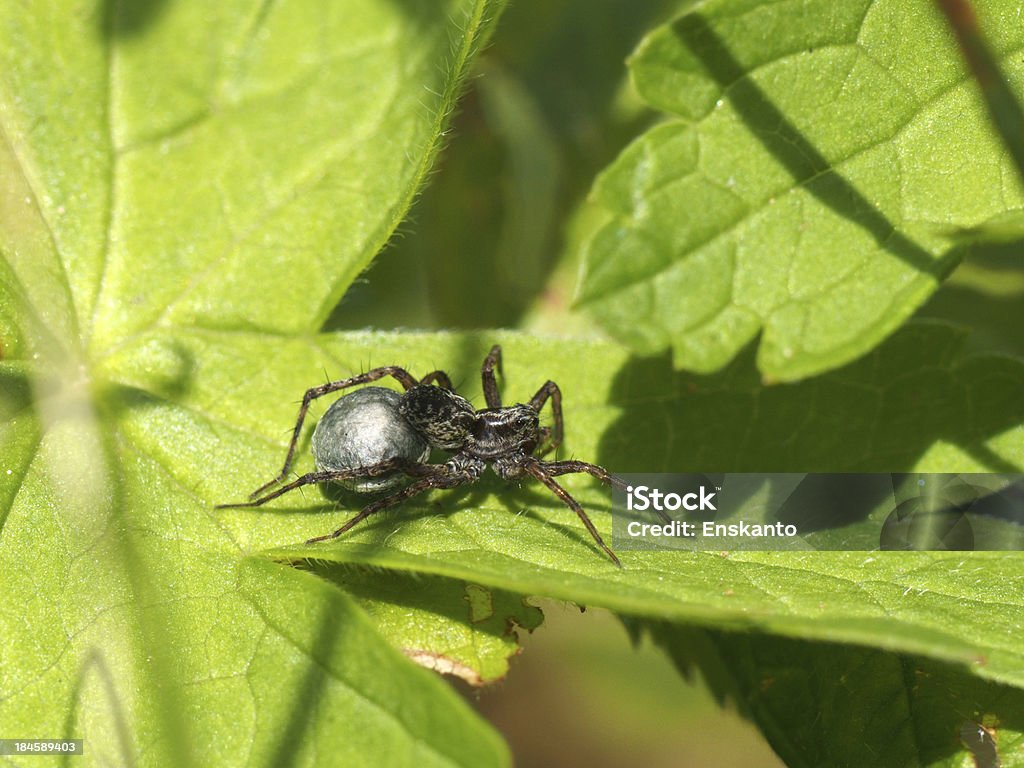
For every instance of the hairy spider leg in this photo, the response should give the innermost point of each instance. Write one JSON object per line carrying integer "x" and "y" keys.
{"x": 550, "y": 389}
{"x": 553, "y": 438}
{"x": 491, "y": 394}
{"x": 329, "y": 476}
{"x": 555, "y": 468}
{"x": 440, "y": 377}
{"x": 538, "y": 470}
{"x": 400, "y": 374}
{"x": 433, "y": 476}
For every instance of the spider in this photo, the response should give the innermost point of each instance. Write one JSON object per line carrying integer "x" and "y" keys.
{"x": 404, "y": 427}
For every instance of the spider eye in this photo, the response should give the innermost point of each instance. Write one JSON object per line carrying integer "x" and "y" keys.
{"x": 530, "y": 427}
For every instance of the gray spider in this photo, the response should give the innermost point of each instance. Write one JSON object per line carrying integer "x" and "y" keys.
{"x": 369, "y": 443}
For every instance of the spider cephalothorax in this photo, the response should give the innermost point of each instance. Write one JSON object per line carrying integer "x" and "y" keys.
{"x": 369, "y": 444}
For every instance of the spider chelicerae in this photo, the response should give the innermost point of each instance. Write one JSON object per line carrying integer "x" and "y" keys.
{"x": 430, "y": 415}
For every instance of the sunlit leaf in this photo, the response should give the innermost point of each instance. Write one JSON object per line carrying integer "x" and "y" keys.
{"x": 818, "y": 166}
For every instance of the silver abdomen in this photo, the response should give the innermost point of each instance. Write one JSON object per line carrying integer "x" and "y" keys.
{"x": 363, "y": 429}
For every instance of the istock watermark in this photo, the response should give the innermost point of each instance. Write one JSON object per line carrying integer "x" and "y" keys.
{"x": 825, "y": 511}
{"x": 642, "y": 497}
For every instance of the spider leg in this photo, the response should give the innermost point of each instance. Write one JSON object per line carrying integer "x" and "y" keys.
{"x": 332, "y": 475}
{"x": 539, "y": 471}
{"x": 556, "y": 468}
{"x": 491, "y": 394}
{"x": 313, "y": 393}
{"x": 550, "y": 390}
{"x": 432, "y": 476}
{"x": 440, "y": 377}
{"x": 310, "y": 478}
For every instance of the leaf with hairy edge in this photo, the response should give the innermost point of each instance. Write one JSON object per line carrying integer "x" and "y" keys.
{"x": 194, "y": 168}
{"x": 914, "y": 404}
{"x": 251, "y": 155}
{"x": 453, "y": 627}
{"x": 819, "y": 160}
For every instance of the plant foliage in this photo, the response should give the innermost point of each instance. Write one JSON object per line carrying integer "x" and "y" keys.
{"x": 186, "y": 192}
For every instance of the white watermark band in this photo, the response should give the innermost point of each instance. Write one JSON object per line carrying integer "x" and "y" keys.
{"x": 822, "y": 511}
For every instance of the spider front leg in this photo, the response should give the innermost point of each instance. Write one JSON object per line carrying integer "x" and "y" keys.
{"x": 550, "y": 391}
{"x": 440, "y": 377}
{"x": 539, "y": 471}
{"x": 400, "y": 374}
{"x": 556, "y": 468}
{"x": 491, "y": 394}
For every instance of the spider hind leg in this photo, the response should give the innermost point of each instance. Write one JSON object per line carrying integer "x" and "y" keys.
{"x": 430, "y": 476}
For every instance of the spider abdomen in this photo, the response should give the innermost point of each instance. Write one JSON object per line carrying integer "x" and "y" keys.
{"x": 362, "y": 429}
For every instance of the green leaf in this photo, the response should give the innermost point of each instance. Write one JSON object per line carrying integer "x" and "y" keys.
{"x": 821, "y": 704}
{"x": 343, "y": 672}
{"x": 219, "y": 167}
{"x": 453, "y": 627}
{"x": 808, "y": 188}
{"x": 225, "y": 430}
{"x": 262, "y": 152}
{"x": 963, "y": 412}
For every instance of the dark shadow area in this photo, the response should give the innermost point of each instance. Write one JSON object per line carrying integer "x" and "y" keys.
{"x": 352, "y": 500}
{"x": 128, "y": 18}
{"x": 823, "y": 501}
{"x": 880, "y": 414}
{"x": 347, "y": 504}
{"x": 534, "y": 127}
{"x": 521, "y": 501}
{"x": 167, "y": 381}
{"x": 986, "y": 295}
{"x": 829, "y": 704}
{"x": 20, "y": 432}
{"x": 436, "y": 595}
{"x": 992, "y": 319}
{"x": 516, "y": 499}
{"x": 808, "y": 167}
{"x": 15, "y": 393}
